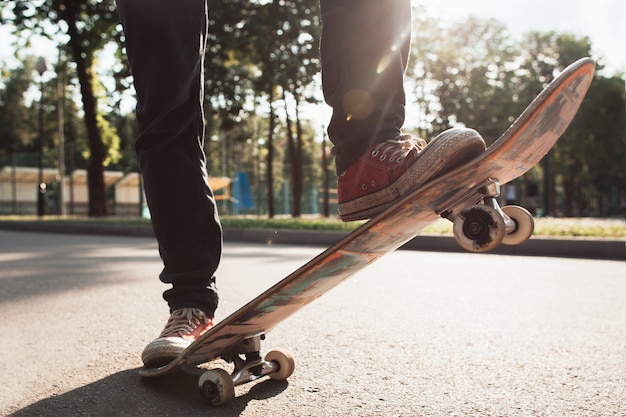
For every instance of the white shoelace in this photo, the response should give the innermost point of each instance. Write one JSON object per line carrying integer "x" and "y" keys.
{"x": 183, "y": 322}
{"x": 399, "y": 148}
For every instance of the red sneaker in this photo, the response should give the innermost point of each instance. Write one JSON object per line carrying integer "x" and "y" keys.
{"x": 183, "y": 327}
{"x": 391, "y": 169}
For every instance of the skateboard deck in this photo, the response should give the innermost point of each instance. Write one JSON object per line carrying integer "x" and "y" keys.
{"x": 472, "y": 185}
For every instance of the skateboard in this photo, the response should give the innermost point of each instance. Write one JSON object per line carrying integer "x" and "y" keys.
{"x": 466, "y": 195}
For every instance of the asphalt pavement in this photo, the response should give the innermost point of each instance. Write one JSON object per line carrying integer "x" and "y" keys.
{"x": 415, "y": 334}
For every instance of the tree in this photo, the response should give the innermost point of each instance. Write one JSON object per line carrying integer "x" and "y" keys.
{"x": 85, "y": 26}
{"x": 595, "y": 145}
{"x": 15, "y": 128}
{"x": 464, "y": 73}
{"x": 284, "y": 35}
{"x": 19, "y": 128}
{"x": 567, "y": 164}
{"x": 297, "y": 57}
{"x": 471, "y": 72}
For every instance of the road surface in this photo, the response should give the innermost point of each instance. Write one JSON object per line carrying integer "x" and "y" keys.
{"x": 416, "y": 334}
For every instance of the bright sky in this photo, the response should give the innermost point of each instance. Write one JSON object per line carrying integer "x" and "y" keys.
{"x": 603, "y": 21}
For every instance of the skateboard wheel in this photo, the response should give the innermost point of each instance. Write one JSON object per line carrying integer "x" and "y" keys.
{"x": 285, "y": 361}
{"x": 216, "y": 386}
{"x": 479, "y": 228}
{"x": 524, "y": 225}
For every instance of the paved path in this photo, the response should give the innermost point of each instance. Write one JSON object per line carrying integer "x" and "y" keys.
{"x": 416, "y": 334}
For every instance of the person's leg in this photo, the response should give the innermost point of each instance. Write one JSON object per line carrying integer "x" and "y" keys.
{"x": 165, "y": 43}
{"x": 364, "y": 51}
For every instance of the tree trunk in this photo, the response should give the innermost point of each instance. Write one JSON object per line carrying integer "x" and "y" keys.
{"x": 298, "y": 187}
{"x": 292, "y": 151}
{"x": 95, "y": 170}
{"x": 568, "y": 206}
{"x": 270, "y": 159}
{"x": 325, "y": 178}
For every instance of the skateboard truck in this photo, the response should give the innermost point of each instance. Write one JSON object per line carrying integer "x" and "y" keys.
{"x": 249, "y": 365}
{"x": 480, "y": 224}
{"x": 217, "y": 386}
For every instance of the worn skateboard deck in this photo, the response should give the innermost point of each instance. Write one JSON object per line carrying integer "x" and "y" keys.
{"x": 520, "y": 148}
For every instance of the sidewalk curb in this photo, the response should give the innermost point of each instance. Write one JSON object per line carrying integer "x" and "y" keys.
{"x": 536, "y": 246}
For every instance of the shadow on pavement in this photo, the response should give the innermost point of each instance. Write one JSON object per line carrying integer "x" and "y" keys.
{"x": 126, "y": 394}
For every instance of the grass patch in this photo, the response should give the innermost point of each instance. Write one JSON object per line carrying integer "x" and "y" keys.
{"x": 568, "y": 227}
{"x": 578, "y": 227}
{"x": 332, "y": 224}
{"x": 581, "y": 227}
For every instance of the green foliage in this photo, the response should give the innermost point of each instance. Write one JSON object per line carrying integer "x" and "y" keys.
{"x": 464, "y": 74}
{"x": 261, "y": 61}
{"x": 110, "y": 140}
{"x": 82, "y": 28}
{"x": 471, "y": 73}
{"x": 260, "y": 52}
{"x": 15, "y": 127}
